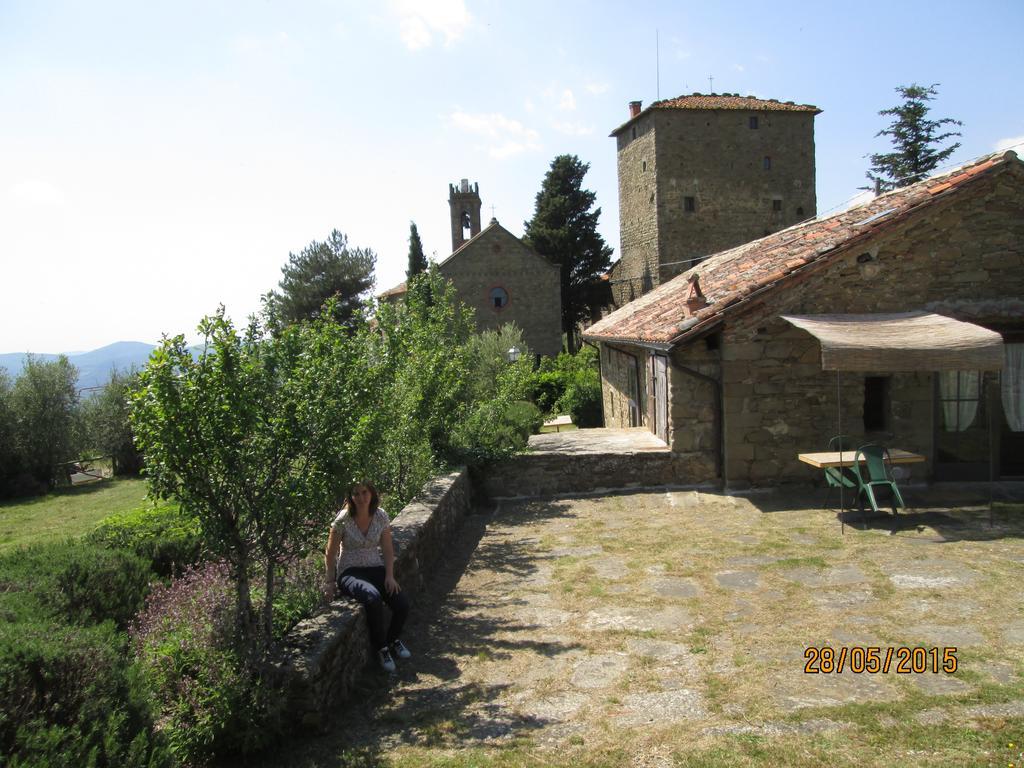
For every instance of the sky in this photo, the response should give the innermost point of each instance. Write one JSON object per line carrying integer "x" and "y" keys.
{"x": 158, "y": 159}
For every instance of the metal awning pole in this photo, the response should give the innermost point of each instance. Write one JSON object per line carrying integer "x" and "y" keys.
{"x": 839, "y": 431}
{"x": 992, "y": 446}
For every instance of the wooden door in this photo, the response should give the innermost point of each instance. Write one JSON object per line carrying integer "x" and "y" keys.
{"x": 660, "y": 381}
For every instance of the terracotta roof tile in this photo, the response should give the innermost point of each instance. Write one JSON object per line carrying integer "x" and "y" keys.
{"x": 775, "y": 260}
{"x": 731, "y": 101}
{"x": 723, "y": 101}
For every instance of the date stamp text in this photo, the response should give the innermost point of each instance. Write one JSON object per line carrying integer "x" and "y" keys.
{"x": 871, "y": 659}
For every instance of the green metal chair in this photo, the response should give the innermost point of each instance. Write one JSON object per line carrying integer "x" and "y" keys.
{"x": 874, "y": 473}
{"x": 838, "y": 477}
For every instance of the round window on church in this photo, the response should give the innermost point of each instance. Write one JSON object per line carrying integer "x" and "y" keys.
{"x": 499, "y": 297}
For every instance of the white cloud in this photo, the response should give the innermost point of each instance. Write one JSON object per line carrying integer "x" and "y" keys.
{"x": 567, "y": 101}
{"x": 420, "y": 20}
{"x": 597, "y": 88}
{"x": 573, "y": 129}
{"x": 256, "y": 45}
{"x": 739, "y": 67}
{"x": 529, "y": 106}
{"x": 508, "y": 137}
{"x": 35, "y": 192}
{"x": 1004, "y": 144}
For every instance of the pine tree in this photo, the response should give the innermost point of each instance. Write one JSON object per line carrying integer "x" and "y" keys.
{"x": 322, "y": 271}
{"x": 417, "y": 261}
{"x": 915, "y": 138}
{"x": 564, "y": 229}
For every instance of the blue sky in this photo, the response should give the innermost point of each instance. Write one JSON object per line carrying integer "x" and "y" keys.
{"x": 161, "y": 158}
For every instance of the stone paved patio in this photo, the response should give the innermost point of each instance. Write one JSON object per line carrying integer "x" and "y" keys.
{"x": 682, "y": 618}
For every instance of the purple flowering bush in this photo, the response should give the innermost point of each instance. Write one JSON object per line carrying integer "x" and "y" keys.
{"x": 208, "y": 701}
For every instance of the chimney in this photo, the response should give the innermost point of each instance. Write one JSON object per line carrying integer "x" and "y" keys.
{"x": 634, "y": 108}
{"x": 695, "y": 296}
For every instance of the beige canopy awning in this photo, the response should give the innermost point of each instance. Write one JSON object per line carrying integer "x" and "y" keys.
{"x": 907, "y": 341}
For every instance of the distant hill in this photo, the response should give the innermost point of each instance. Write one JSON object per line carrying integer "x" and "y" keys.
{"x": 93, "y": 367}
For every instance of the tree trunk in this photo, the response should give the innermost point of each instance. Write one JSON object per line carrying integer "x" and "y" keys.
{"x": 268, "y": 605}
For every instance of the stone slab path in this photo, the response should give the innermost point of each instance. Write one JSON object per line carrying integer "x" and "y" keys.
{"x": 683, "y": 618}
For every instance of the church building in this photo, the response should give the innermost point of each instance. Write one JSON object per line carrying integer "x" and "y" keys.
{"x": 499, "y": 276}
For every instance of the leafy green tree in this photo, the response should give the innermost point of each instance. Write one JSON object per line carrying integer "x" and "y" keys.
{"x": 488, "y": 353}
{"x": 915, "y": 139}
{"x": 48, "y": 429}
{"x": 250, "y": 438}
{"x": 107, "y": 423}
{"x": 416, "y": 355}
{"x": 322, "y": 271}
{"x": 417, "y": 261}
{"x": 10, "y": 459}
{"x": 564, "y": 228}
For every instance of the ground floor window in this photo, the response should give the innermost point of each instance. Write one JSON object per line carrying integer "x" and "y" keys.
{"x": 1011, "y": 399}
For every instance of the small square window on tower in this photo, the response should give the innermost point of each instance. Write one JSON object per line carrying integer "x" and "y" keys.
{"x": 777, "y": 204}
{"x": 689, "y": 204}
{"x": 766, "y": 163}
{"x": 753, "y": 121}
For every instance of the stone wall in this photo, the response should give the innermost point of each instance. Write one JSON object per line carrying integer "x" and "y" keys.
{"x": 321, "y": 656}
{"x": 533, "y": 475}
{"x": 778, "y": 402}
{"x": 496, "y": 258}
{"x": 693, "y": 401}
{"x": 714, "y": 157}
{"x": 637, "y": 269}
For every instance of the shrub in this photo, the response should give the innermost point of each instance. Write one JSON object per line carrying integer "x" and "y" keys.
{"x": 68, "y": 697}
{"x": 496, "y": 430}
{"x": 210, "y": 702}
{"x": 162, "y": 534}
{"x": 299, "y": 593}
{"x": 571, "y": 384}
{"x": 74, "y": 581}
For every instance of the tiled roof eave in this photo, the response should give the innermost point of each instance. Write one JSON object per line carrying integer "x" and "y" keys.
{"x": 730, "y": 305}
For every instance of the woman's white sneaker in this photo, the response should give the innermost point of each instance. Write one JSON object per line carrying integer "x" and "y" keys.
{"x": 398, "y": 649}
{"x": 386, "y": 662}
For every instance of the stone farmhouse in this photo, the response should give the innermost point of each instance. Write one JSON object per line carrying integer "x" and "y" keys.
{"x": 707, "y": 363}
{"x": 702, "y": 173}
{"x": 499, "y": 276}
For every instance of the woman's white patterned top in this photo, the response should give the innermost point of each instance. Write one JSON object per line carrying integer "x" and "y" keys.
{"x": 359, "y": 550}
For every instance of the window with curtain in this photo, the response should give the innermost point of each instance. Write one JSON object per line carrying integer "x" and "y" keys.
{"x": 1012, "y": 389}
{"x": 959, "y": 395}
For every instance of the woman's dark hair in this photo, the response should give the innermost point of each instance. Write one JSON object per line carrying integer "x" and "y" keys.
{"x": 374, "y": 496}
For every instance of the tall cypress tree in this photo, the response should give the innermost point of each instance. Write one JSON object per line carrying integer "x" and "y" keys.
{"x": 914, "y": 138}
{"x": 417, "y": 261}
{"x": 564, "y": 229}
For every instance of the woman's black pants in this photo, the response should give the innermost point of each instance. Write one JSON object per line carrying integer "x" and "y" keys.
{"x": 367, "y": 586}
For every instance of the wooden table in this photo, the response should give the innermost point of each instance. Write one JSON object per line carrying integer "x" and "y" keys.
{"x": 832, "y": 458}
{"x": 558, "y": 422}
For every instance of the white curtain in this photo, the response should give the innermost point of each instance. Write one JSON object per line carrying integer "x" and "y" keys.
{"x": 1013, "y": 387}
{"x": 958, "y": 391}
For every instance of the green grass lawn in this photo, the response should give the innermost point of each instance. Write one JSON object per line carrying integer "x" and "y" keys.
{"x": 66, "y": 512}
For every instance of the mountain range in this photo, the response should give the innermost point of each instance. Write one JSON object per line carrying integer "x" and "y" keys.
{"x": 93, "y": 367}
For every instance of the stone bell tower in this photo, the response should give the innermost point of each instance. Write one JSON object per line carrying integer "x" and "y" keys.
{"x": 464, "y": 201}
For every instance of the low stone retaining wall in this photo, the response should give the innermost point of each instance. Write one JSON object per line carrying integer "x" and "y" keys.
{"x": 550, "y": 474}
{"x": 322, "y": 655}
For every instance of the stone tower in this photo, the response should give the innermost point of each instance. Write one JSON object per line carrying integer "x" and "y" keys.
{"x": 702, "y": 173}
{"x": 464, "y": 201}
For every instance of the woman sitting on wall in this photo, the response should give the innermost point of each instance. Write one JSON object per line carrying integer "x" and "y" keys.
{"x": 360, "y": 563}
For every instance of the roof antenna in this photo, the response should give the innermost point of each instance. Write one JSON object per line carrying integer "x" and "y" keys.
{"x": 657, "y": 65}
{"x": 711, "y": 84}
